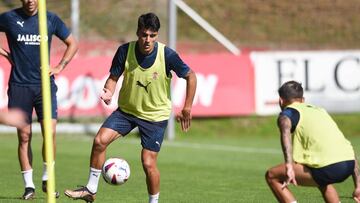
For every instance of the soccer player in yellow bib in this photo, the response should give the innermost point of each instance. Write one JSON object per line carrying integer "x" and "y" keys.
{"x": 144, "y": 102}
{"x": 315, "y": 150}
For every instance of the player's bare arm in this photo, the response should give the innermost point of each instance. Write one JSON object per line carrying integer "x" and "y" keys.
{"x": 109, "y": 89}
{"x": 356, "y": 179}
{"x": 284, "y": 124}
{"x": 184, "y": 117}
{"x": 4, "y": 53}
{"x": 72, "y": 47}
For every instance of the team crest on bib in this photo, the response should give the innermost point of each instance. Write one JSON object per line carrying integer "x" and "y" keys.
{"x": 155, "y": 75}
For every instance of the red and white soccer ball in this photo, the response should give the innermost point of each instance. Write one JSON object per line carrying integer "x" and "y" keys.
{"x": 116, "y": 171}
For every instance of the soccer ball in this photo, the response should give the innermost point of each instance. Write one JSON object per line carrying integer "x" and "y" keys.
{"x": 115, "y": 171}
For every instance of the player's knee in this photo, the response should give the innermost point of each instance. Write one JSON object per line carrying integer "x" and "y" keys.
{"x": 268, "y": 175}
{"x": 24, "y": 132}
{"x": 24, "y": 141}
{"x": 24, "y": 138}
{"x": 99, "y": 144}
{"x": 149, "y": 164}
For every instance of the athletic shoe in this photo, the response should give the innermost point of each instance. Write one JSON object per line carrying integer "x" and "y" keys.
{"x": 81, "y": 193}
{"x": 29, "y": 193}
{"x": 44, "y": 189}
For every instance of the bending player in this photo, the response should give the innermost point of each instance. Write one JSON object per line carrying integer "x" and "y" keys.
{"x": 315, "y": 150}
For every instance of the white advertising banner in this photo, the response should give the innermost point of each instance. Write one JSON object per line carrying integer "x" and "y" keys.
{"x": 330, "y": 79}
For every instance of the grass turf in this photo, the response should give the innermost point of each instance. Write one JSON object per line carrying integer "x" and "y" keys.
{"x": 193, "y": 169}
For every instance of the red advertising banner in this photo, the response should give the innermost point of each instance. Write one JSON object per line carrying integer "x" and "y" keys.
{"x": 225, "y": 86}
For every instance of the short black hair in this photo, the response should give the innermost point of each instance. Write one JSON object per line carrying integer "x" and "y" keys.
{"x": 291, "y": 90}
{"x": 148, "y": 21}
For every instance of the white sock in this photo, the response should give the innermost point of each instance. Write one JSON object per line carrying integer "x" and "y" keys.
{"x": 28, "y": 178}
{"x": 154, "y": 198}
{"x": 93, "y": 181}
{"x": 45, "y": 174}
{"x": 294, "y": 201}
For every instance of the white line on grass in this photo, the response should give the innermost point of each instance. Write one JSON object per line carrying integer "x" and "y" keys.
{"x": 213, "y": 147}
{"x": 68, "y": 128}
{"x": 223, "y": 148}
{"x": 93, "y": 128}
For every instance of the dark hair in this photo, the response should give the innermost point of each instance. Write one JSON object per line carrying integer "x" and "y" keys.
{"x": 291, "y": 90}
{"x": 148, "y": 21}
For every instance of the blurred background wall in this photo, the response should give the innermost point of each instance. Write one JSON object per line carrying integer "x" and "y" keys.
{"x": 314, "y": 42}
{"x": 254, "y": 24}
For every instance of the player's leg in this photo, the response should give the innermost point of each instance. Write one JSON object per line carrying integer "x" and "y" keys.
{"x": 149, "y": 162}
{"x": 25, "y": 159}
{"x": 38, "y": 105}
{"x": 45, "y": 177}
{"x": 152, "y": 135}
{"x": 98, "y": 155}
{"x": 276, "y": 176}
{"x": 20, "y": 97}
{"x": 356, "y": 192}
{"x": 24, "y": 147}
{"x": 329, "y": 194}
{"x": 53, "y": 126}
{"x": 333, "y": 173}
{"x": 115, "y": 126}
{"x": 104, "y": 137}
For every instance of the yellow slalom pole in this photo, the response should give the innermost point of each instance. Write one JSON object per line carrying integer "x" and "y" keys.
{"x": 46, "y": 98}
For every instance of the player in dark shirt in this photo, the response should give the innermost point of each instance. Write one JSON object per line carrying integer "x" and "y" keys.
{"x": 21, "y": 27}
{"x": 172, "y": 61}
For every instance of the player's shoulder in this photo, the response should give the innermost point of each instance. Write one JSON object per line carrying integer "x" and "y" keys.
{"x": 11, "y": 13}
{"x": 168, "y": 49}
{"x": 52, "y": 15}
{"x": 289, "y": 112}
{"x": 124, "y": 47}
{"x": 169, "y": 52}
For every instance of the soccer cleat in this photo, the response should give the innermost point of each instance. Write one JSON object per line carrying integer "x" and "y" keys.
{"x": 81, "y": 193}
{"x": 29, "y": 193}
{"x": 44, "y": 189}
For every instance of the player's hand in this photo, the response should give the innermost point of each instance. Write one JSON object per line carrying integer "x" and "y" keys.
{"x": 184, "y": 117}
{"x": 7, "y": 55}
{"x": 290, "y": 174}
{"x": 356, "y": 195}
{"x": 56, "y": 70}
{"x": 106, "y": 96}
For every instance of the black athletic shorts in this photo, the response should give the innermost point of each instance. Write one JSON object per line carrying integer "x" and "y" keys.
{"x": 28, "y": 98}
{"x": 152, "y": 133}
{"x": 333, "y": 173}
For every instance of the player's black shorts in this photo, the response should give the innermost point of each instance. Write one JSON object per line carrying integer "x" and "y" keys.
{"x": 29, "y": 97}
{"x": 333, "y": 173}
{"x": 152, "y": 133}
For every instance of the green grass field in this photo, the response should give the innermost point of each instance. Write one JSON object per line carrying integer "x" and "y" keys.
{"x": 195, "y": 167}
